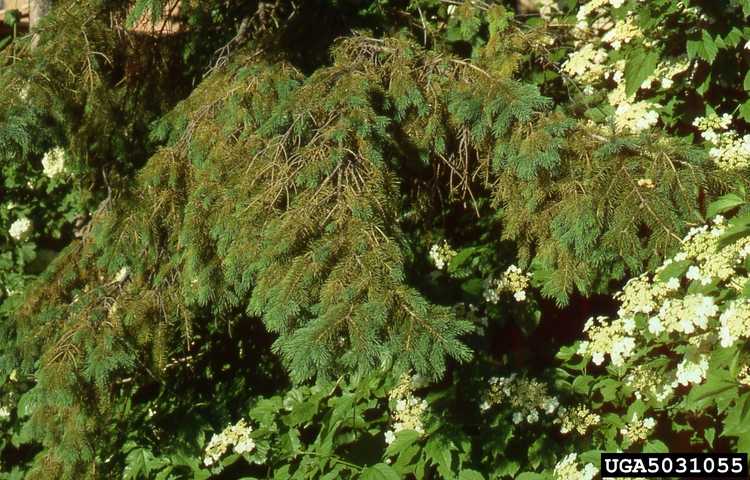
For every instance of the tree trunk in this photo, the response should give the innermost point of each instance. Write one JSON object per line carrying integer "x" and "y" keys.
{"x": 37, "y": 10}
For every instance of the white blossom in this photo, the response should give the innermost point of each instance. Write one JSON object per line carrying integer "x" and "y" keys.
{"x": 20, "y": 228}
{"x": 54, "y": 162}
{"x": 635, "y": 117}
{"x": 568, "y": 469}
{"x": 441, "y": 255}
{"x": 122, "y": 275}
{"x": 655, "y": 326}
{"x": 236, "y": 436}
{"x": 691, "y": 371}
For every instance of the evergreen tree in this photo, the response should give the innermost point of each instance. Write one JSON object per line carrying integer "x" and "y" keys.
{"x": 288, "y": 189}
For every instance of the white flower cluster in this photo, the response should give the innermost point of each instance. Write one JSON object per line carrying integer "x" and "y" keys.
{"x": 743, "y": 377}
{"x": 20, "y": 228}
{"x": 547, "y": 8}
{"x": 603, "y": 27}
{"x": 569, "y": 469}
{"x": 122, "y": 275}
{"x": 579, "y": 419}
{"x": 647, "y": 384}
{"x": 630, "y": 115}
{"x": 236, "y": 436}
{"x": 589, "y": 9}
{"x": 683, "y": 315}
{"x": 735, "y": 322}
{"x": 527, "y": 397}
{"x": 691, "y": 371}
{"x": 586, "y": 64}
{"x": 635, "y": 117}
{"x": 623, "y": 31}
{"x": 409, "y": 410}
{"x": 4, "y": 412}
{"x": 658, "y": 312}
{"x": 53, "y": 162}
{"x": 728, "y": 150}
{"x": 637, "y": 430}
{"x": 441, "y": 255}
{"x": 608, "y": 337}
{"x": 513, "y": 280}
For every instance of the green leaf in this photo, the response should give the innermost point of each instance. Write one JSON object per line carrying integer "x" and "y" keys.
{"x": 189, "y": 460}
{"x": 720, "y": 42}
{"x": 738, "y": 228}
{"x": 303, "y": 408}
{"x": 404, "y": 439}
{"x": 164, "y": 473}
{"x": 334, "y": 474}
{"x": 608, "y": 387}
{"x": 715, "y": 389}
{"x": 743, "y": 443}
{"x": 745, "y": 111}
{"x": 470, "y": 475}
{"x": 674, "y": 269}
{"x": 704, "y": 86}
{"x": 640, "y": 65}
{"x": 26, "y": 403}
{"x": 266, "y": 409}
{"x": 140, "y": 463}
{"x": 473, "y": 286}
{"x": 342, "y": 407}
{"x": 722, "y": 358}
{"x": 438, "y": 449}
{"x": 734, "y": 37}
{"x": 582, "y": 384}
{"x": 593, "y": 457}
{"x": 737, "y": 420}
{"x": 379, "y": 471}
{"x": 709, "y": 47}
{"x": 531, "y": 476}
{"x": 595, "y": 114}
{"x": 726, "y": 202}
{"x": 461, "y": 257}
{"x": 710, "y": 434}
{"x": 704, "y": 48}
{"x": 655, "y": 446}
{"x": 566, "y": 353}
{"x": 746, "y": 82}
{"x": 404, "y": 459}
{"x": 636, "y": 408}
{"x": 534, "y": 452}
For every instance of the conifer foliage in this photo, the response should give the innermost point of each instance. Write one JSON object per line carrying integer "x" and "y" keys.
{"x": 293, "y": 198}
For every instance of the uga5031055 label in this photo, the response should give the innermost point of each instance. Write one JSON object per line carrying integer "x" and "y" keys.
{"x": 685, "y": 465}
